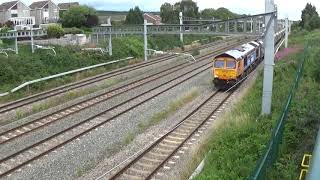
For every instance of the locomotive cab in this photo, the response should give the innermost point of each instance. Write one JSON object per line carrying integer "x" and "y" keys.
{"x": 225, "y": 71}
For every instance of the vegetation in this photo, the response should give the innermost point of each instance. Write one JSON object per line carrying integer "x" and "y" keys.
{"x": 79, "y": 16}
{"x": 55, "y": 31}
{"x": 134, "y": 16}
{"x": 170, "y": 13}
{"x": 310, "y": 19}
{"x": 73, "y": 30}
{"x": 239, "y": 141}
{"x": 221, "y": 13}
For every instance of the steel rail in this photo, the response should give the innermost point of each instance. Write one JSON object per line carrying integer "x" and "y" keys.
{"x": 95, "y": 126}
{"x": 6, "y": 134}
{"x": 47, "y": 94}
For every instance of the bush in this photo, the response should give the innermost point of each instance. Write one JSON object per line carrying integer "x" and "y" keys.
{"x": 73, "y": 30}
{"x": 55, "y": 31}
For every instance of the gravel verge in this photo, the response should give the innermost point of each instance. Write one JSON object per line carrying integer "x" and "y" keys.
{"x": 77, "y": 157}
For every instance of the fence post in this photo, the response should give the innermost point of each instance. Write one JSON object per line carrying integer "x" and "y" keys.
{"x": 287, "y": 29}
{"x": 145, "y": 33}
{"x": 32, "y": 43}
{"x": 16, "y": 43}
{"x": 110, "y": 44}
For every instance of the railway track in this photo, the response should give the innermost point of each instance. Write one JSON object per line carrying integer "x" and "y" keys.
{"x": 5, "y": 108}
{"x": 147, "y": 164}
{"x": 28, "y": 154}
{"x": 41, "y": 122}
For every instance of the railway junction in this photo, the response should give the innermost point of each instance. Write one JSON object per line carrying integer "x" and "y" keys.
{"x": 146, "y": 120}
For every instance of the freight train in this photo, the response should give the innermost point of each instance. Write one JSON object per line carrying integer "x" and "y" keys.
{"x": 232, "y": 66}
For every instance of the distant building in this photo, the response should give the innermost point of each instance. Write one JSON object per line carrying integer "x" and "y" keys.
{"x": 45, "y": 12}
{"x": 66, "y": 6}
{"x": 152, "y": 19}
{"x": 17, "y": 12}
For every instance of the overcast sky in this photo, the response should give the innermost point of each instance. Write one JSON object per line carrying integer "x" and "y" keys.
{"x": 292, "y": 8}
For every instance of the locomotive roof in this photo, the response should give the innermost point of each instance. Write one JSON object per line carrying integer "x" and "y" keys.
{"x": 237, "y": 53}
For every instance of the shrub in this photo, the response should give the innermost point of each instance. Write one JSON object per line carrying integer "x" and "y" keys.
{"x": 73, "y": 30}
{"x": 55, "y": 31}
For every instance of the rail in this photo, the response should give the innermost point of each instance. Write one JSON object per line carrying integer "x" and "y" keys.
{"x": 61, "y": 74}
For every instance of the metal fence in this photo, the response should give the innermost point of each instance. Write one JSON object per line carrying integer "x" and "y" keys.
{"x": 271, "y": 152}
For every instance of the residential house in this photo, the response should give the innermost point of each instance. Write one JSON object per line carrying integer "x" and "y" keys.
{"x": 45, "y": 12}
{"x": 66, "y": 6}
{"x": 17, "y": 12}
{"x": 152, "y": 19}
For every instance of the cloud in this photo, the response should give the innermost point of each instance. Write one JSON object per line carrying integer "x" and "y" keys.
{"x": 292, "y": 8}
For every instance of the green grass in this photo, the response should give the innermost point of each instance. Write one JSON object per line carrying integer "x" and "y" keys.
{"x": 240, "y": 139}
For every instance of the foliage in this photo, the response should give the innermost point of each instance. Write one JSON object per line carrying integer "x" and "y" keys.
{"x": 73, "y": 31}
{"x": 189, "y": 8}
{"x": 240, "y": 141}
{"x": 310, "y": 19}
{"x": 55, "y": 31}
{"x": 79, "y": 16}
{"x": 168, "y": 14}
{"x": 221, "y": 13}
{"x": 134, "y": 16}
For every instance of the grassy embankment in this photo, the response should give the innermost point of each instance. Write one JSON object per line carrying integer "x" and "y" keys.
{"x": 241, "y": 137}
{"x": 26, "y": 66}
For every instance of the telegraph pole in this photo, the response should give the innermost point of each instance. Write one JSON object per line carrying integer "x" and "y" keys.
{"x": 181, "y": 23}
{"x": 145, "y": 33}
{"x": 269, "y": 58}
{"x": 287, "y": 33}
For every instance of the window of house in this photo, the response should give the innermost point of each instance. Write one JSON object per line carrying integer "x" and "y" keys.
{"x": 15, "y": 7}
{"x": 14, "y": 15}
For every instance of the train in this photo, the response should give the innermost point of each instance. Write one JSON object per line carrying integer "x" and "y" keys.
{"x": 230, "y": 67}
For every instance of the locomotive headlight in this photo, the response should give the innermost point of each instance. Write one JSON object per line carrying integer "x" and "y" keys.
{"x": 215, "y": 76}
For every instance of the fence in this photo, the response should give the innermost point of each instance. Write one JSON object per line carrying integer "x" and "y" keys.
{"x": 271, "y": 152}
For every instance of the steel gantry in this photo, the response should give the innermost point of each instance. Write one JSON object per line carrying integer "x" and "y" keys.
{"x": 14, "y": 34}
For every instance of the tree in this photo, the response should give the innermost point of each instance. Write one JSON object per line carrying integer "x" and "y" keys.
{"x": 80, "y": 16}
{"x": 168, "y": 14}
{"x": 310, "y": 17}
{"x": 188, "y": 8}
{"x": 134, "y": 16}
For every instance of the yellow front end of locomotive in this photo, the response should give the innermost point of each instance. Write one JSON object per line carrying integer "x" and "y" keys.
{"x": 225, "y": 69}
{"x": 225, "y": 74}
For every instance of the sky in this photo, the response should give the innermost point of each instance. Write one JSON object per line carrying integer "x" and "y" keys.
{"x": 290, "y": 8}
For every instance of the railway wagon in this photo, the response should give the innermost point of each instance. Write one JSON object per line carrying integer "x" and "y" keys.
{"x": 232, "y": 66}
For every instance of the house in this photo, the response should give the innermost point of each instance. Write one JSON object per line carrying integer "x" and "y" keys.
{"x": 152, "y": 19}
{"x": 17, "y": 12}
{"x": 66, "y": 6}
{"x": 45, "y": 12}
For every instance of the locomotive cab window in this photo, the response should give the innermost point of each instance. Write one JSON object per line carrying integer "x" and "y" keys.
{"x": 219, "y": 64}
{"x": 231, "y": 64}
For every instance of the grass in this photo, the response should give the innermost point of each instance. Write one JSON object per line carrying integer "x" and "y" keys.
{"x": 241, "y": 137}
